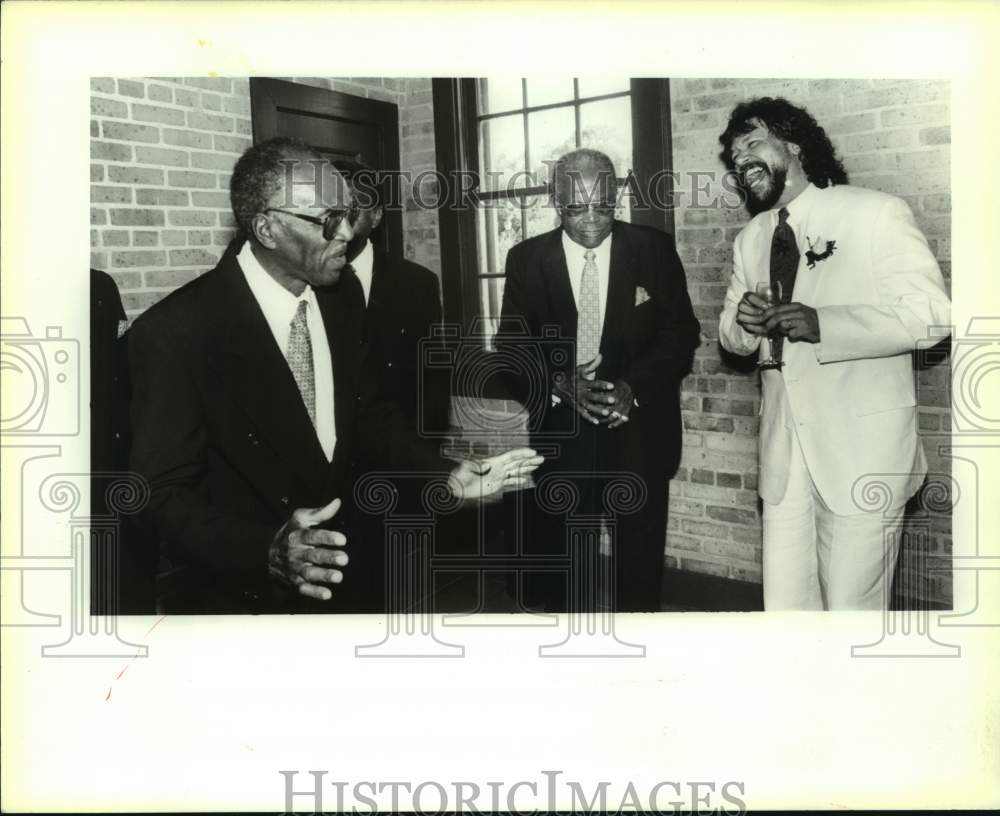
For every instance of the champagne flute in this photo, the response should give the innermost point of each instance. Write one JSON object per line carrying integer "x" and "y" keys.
{"x": 771, "y": 353}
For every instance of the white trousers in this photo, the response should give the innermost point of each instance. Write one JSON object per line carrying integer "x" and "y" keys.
{"x": 816, "y": 559}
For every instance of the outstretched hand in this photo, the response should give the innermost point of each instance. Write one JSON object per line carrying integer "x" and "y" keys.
{"x": 474, "y": 479}
{"x": 301, "y": 555}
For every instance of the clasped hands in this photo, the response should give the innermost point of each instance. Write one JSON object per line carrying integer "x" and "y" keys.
{"x": 310, "y": 559}
{"x": 796, "y": 321}
{"x": 598, "y": 401}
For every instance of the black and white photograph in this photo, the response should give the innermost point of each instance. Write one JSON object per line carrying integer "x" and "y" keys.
{"x": 423, "y": 394}
{"x": 587, "y": 407}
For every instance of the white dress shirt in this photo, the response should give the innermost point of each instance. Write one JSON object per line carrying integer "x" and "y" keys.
{"x": 279, "y": 307}
{"x": 575, "y": 261}
{"x": 363, "y": 265}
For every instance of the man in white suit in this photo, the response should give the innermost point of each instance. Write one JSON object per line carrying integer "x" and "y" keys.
{"x": 838, "y": 417}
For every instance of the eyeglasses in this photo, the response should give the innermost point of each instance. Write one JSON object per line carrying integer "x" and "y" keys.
{"x": 600, "y": 207}
{"x": 328, "y": 222}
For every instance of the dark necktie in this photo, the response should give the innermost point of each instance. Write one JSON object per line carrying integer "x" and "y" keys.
{"x": 784, "y": 264}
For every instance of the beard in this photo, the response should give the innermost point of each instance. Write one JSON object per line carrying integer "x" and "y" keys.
{"x": 768, "y": 191}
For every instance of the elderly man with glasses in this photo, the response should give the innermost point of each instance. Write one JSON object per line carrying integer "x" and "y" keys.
{"x": 251, "y": 402}
{"x": 602, "y": 307}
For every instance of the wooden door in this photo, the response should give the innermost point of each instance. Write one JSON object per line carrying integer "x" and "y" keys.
{"x": 339, "y": 125}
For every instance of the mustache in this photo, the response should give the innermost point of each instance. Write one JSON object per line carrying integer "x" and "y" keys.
{"x": 747, "y": 168}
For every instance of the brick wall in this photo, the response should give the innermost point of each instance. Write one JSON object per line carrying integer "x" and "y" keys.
{"x": 162, "y": 151}
{"x": 893, "y": 136}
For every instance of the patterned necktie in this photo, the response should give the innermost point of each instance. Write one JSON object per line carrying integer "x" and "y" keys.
{"x": 300, "y": 359}
{"x": 784, "y": 264}
{"x": 588, "y": 325}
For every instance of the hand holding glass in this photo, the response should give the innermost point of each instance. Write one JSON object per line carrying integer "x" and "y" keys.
{"x": 771, "y": 292}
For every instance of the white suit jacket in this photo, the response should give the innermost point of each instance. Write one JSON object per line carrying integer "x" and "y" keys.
{"x": 850, "y": 398}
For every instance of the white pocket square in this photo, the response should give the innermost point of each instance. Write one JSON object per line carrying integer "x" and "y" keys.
{"x": 641, "y": 295}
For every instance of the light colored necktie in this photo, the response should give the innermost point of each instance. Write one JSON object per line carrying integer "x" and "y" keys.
{"x": 588, "y": 322}
{"x": 300, "y": 359}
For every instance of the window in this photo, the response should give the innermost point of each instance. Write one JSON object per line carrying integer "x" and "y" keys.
{"x": 523, "y": 125}
{"x": 507, "y": 131}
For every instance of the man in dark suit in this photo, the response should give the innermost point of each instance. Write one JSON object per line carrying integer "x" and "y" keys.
{"x": 128, "y": 564}
{"x": 251, "y": 402}
{"x": 606, "y": 305}
{"x": 402, "y": 309}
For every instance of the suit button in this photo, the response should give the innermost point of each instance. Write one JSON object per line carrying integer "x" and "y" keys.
{"x": 389, "y": 364}
{"x": 253, "y": 440}
{"x": 285, "y": 500}
{"x": 402, "y": 331}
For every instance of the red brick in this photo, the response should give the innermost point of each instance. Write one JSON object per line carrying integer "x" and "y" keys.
{"x": 171, "y": 278}
{"x": 137, "y": 218}
{"x": 125, "y": 132}
{"x": 190, "y": 178}
{"x": 935, "y": 136}
{"x": 111, "y": 151}
{"x": 728, "y": 480}
{"x": 732, "y": 515}
{"x": 697, "y": 422}
{"x": 209, "y": 121}
{"x": 113, "y": 195}
{"x": 141, "y": 301}
{"x": 682, "y": 542}
{"x": 157, "y": 113}
{"x": 914, "y": 115}
{"x": 218, "y": 84}
{"x": 185, "y": 138}
{"x": 129, "y": 87}
{"x": 133, "y": 258}
{"x": 108, "y": 107}
{"x": 231, "y": 144}
{"x": 160, "y": 93}
{"x": 128, "y": 174}
{"x": 114, "y": 238}
{"x": 172, "y": 198}
{"x": 192, "y": 257}
{"x": 158, "y": 155}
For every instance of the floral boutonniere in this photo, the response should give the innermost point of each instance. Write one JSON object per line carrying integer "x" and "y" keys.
{"x": 812, "y": 256}
{"x": 641, "y": 295}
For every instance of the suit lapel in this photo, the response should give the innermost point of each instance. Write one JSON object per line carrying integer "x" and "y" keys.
{"x": 258, "y": 379}
{"x": 344, "y": 324}
{"x": 622, "y": 278}
{"x": 557, "y": 285}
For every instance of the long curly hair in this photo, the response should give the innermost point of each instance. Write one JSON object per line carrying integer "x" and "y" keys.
{"x": 790, "y": 124}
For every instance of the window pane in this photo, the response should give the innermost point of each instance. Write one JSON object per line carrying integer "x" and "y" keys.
{"x": 490, "y": 300}
{"x": 502, "y": 150}
{"x": 550, "y": 134}
{"x": 501, "y": 229}
{"x": 498, "y": 94}
{"x": 607, "y": 126}
{"x": 541, "y": 216}
{"x": 600, "y": 85}
{"x": 546, "y": 91}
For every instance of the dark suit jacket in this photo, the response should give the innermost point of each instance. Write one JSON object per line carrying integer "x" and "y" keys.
{"x": 404, "y": 306}
{"x": 649, "y": 345}
{"x": 222, "y": 435}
